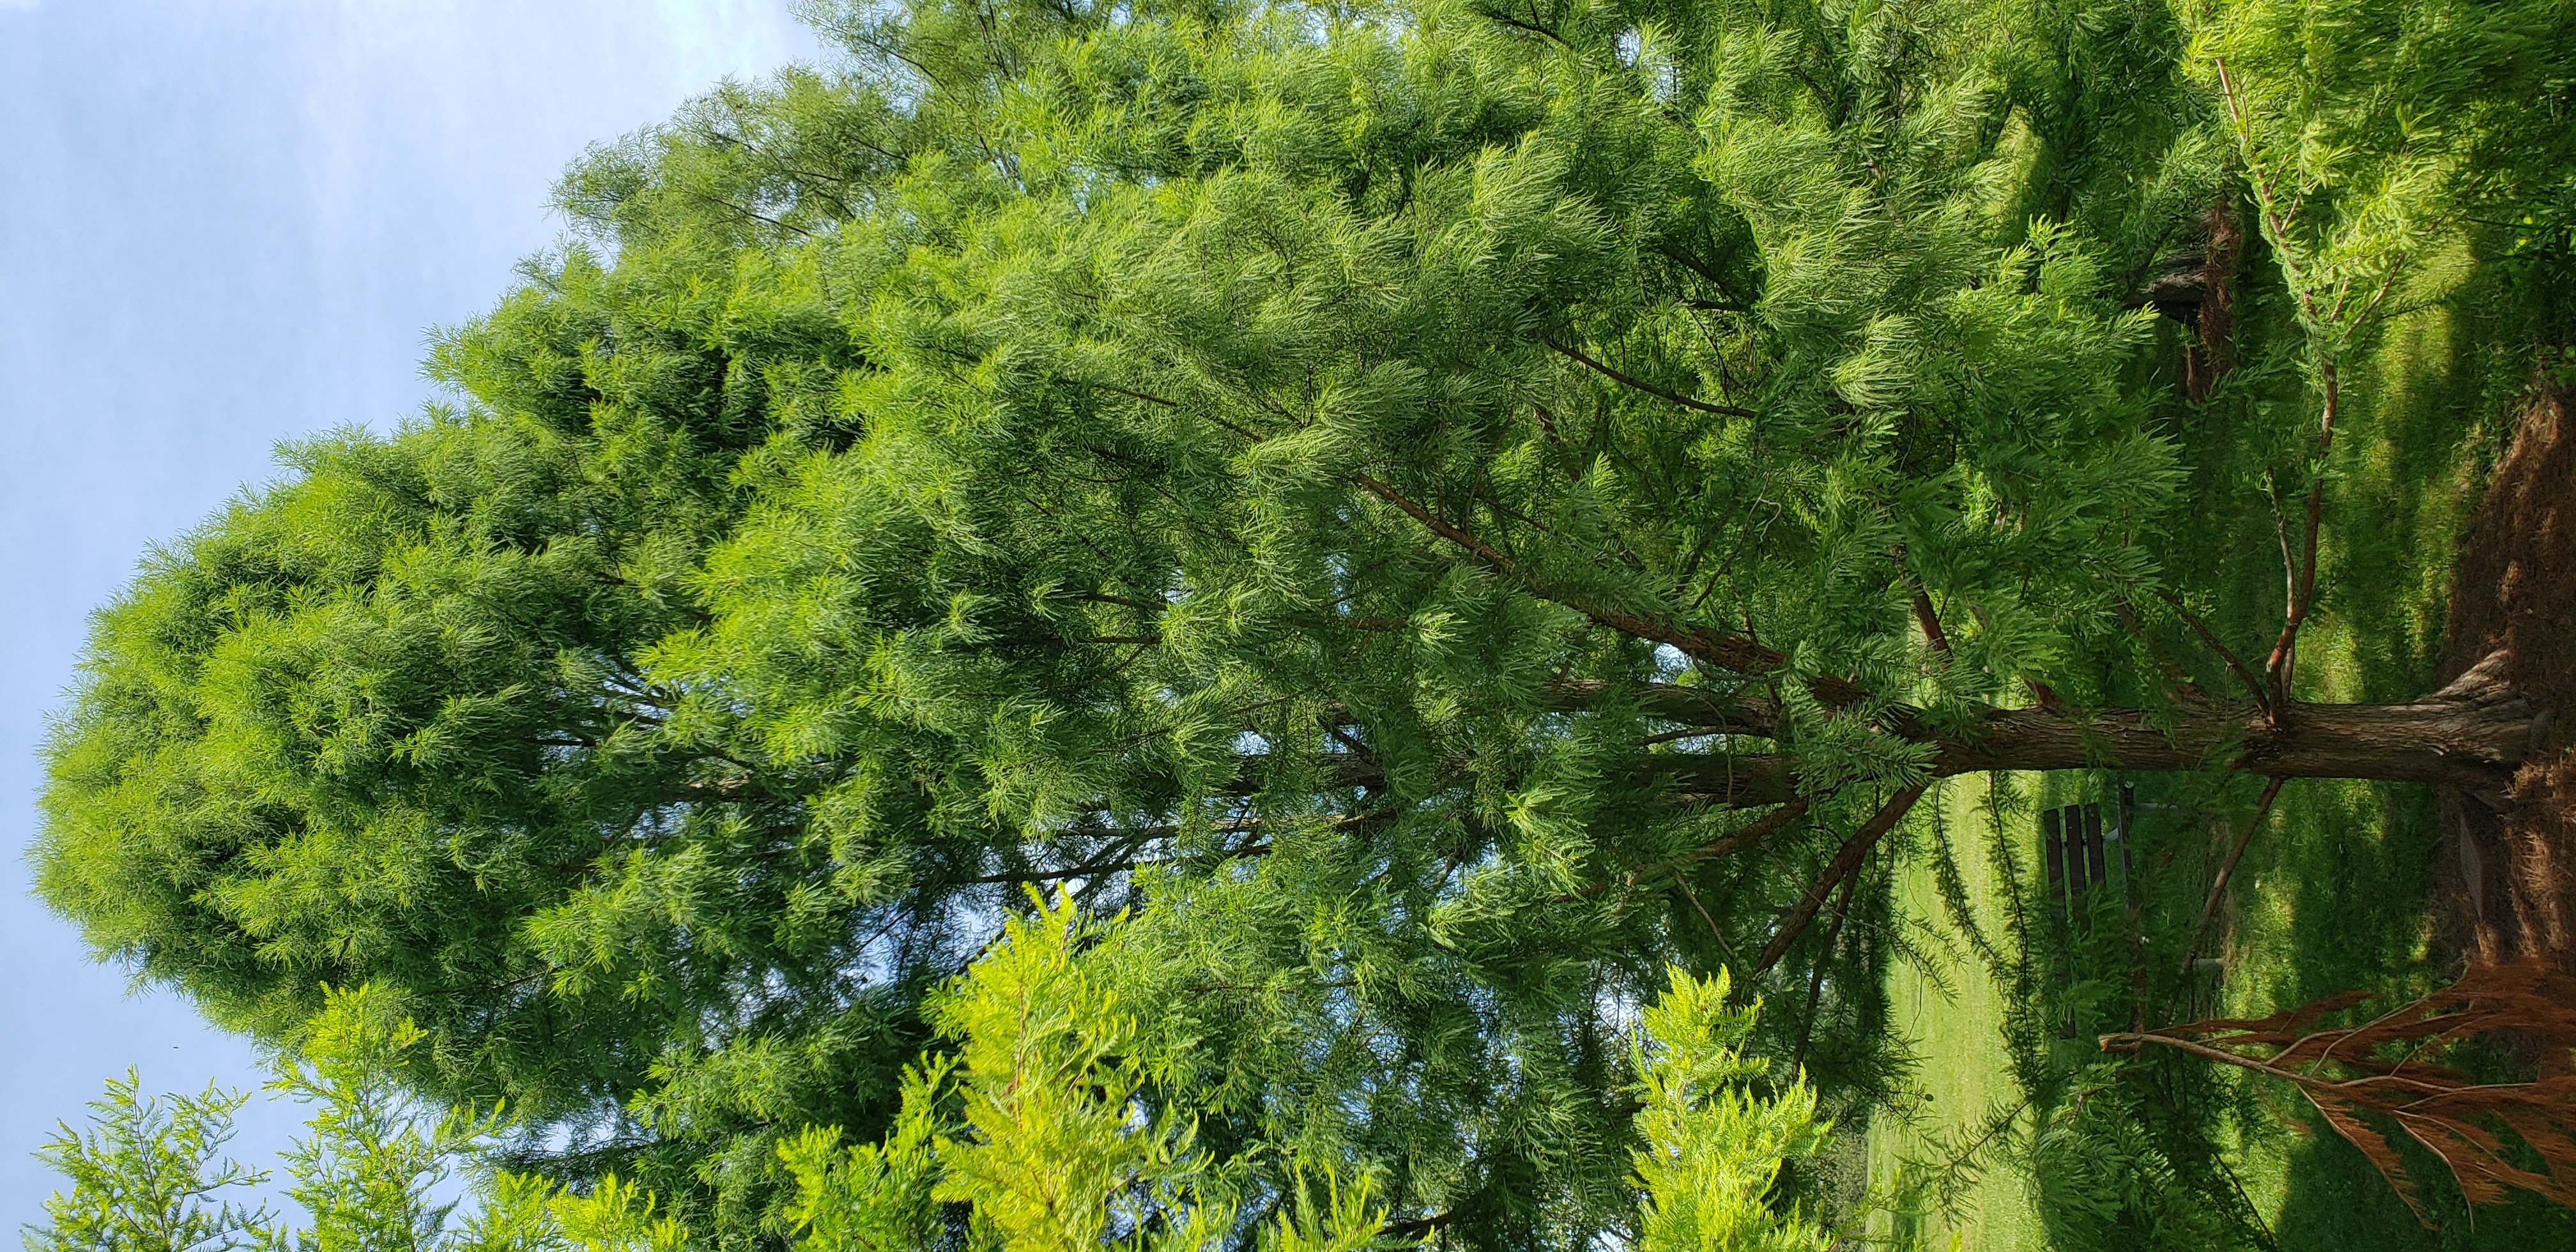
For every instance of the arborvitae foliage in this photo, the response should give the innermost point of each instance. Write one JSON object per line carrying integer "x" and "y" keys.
{"x": 148, "y": 1175}
{"x": 1061, "y": 1123}
{"x": 1073, "y": 1124}
{"x": 1058, "y": 1127}
{"x": 1713, "y": 1148}
{"x": 1441, "y": 510}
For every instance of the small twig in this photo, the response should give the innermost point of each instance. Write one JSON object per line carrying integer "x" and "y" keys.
{"x": 1731, "y": 653}
{"x": 1417, "y": 1227}
{"x": 1722, "y": 410}
{"x": 1744, "y": 837}
{"x": 2244, "y": 674}
{"x": 2303, "y": 592}
{"x": 1437, "y": 525}
{"x": 1528, "y": 27}
{"x": 1736, "y": 303}
{"x": 1816, "y": 974}
{"x": 1929, "y": 620}
{"x": 1138, "y": 395}
{"x": 2227, "y": 871}
{"x": 1733, "y": 961}
{"x": 1751, "y": 834}
{"x": 2178, "y": 684}
{"x": 2047, "y": 695}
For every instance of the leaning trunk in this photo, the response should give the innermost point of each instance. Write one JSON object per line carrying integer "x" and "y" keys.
{"x": 2471, "y": 734}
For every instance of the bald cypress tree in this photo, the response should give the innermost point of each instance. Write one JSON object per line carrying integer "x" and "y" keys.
{"x": 1440, "y": 510}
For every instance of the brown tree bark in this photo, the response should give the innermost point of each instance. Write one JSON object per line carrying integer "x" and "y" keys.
{"x": 2471, "y": 734}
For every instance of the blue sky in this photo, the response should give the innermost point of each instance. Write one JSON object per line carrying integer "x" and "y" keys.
{"x": 225, "y": 223}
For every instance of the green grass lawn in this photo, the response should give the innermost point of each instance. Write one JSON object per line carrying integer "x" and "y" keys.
{"x": 1952, "y": 1023}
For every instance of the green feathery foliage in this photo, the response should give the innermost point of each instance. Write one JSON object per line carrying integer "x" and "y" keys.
{"x": 1440, "y": 511}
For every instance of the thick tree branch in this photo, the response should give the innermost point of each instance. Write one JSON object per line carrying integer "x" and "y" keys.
{"x": 2471, "y": 734}
{"x": 1729, "y": 653}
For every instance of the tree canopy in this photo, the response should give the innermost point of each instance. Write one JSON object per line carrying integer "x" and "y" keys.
{"x": 1441, "y": 511}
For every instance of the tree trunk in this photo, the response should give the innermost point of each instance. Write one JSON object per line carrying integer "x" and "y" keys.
{"x": 2471, "y": 734}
